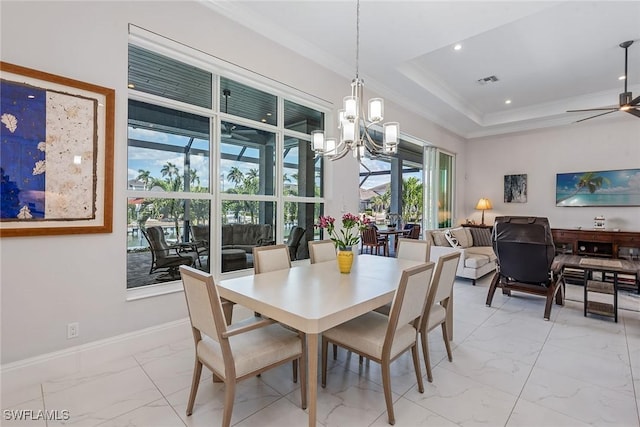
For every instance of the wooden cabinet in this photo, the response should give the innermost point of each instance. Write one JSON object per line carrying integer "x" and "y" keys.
{"x": 597, "y": 243}
{"x": 600, "y": 244}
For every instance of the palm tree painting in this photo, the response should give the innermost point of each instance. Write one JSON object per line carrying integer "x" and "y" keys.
{"x": 599, "y": 188}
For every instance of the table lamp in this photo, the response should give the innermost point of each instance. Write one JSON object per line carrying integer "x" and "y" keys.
{"x": 483, "y": 205}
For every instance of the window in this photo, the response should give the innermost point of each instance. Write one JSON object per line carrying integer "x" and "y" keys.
{"x": 187, "y": 124}
{"x": 439, "y": 185}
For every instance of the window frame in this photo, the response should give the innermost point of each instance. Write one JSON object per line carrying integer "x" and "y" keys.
{"x": 219, "y": 68}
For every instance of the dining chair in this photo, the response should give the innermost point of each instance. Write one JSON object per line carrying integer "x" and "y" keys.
{"x": 270, "y": 258}
{"x": 273, "y": 258}
{"x": 415, "y": 250}
{"x": 237, "y": 352}
{"x": 371, "y": 242}
{"x": 384, "y": 338}
{"x": 412, "y": 250}
{"x": 322, "y": 251}
{"x": 439, "y": 304}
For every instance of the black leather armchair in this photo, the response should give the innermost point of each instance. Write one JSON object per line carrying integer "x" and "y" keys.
{"x": 525, "y": 251}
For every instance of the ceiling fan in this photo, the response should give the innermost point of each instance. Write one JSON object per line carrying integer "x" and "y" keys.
{"x": 627, "y": 102}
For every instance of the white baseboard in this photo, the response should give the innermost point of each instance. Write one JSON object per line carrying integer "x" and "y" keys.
{"x": 48, "y": 366}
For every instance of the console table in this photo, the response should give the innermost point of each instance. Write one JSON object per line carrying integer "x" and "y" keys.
{"x": 598, "y": 243}
{"x": 607, "y": 244}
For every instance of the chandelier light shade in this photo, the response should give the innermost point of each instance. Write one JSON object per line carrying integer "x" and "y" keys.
{"x": 354, "y": 126}
{"x": 482, "y": 205}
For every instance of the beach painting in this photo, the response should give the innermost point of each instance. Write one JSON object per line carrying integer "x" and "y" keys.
{"x": 598, "y": 188}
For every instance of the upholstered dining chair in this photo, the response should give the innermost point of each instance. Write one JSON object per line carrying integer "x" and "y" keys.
{"x": 438, "y": 305}
{"x": 383, "y": 338}
{"x": 321, "y": 251}
{"x": 273, "y": 258}
{"x": 413, "y": 250}
{"x": 237, "y": 352}
{"x": 270, "y": 258}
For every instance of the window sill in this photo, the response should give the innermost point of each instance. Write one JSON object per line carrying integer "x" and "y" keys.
{"x": 154, "y": 290}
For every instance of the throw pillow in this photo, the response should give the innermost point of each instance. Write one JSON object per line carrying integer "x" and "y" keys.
{"x": 481, "y": 236}
{"x": 439, "y": 239}
{"x": 463, "y": 236}
{"x": 451, "y": 239}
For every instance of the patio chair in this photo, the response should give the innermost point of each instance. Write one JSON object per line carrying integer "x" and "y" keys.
{"x": 165, "y": 256}
{"x": 525, "y": 251}
{"x": 384, "y": 338}
{"x": 371, "y": 242}
{"x": 234, "y": 353}
{"x": 293, "y": 242}
{"x": 200, "y": 241}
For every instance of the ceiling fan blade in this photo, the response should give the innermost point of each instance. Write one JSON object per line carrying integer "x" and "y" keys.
{"x": 593, "y": 109}
{"x": 634, "y": 112}
{"x": 597, "y": 115}
{"x": 635, "y": 101}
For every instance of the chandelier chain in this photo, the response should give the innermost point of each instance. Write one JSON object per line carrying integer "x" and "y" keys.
{"x": 357, "y": 39}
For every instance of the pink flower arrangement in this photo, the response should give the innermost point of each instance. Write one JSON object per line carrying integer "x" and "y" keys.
{"x": 349, "y": 235}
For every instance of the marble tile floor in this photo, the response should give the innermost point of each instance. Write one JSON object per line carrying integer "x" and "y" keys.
{"x": 510, "y": 368}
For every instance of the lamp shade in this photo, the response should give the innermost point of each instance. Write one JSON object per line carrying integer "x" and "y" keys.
{"x": 484, "y": 204}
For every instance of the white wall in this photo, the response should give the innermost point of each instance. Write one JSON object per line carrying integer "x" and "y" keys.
{"x": 48, "y": 282}
{"x": 594, "y": 145}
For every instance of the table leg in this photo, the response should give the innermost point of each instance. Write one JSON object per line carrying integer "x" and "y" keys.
{"x": 312, "y": 360}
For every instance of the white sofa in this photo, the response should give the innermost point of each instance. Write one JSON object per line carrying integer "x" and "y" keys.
{"x": 476, "y": 260}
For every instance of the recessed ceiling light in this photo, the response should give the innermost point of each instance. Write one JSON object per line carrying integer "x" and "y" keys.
{"x": 131, "y": 85}
{"x": 31, "y": 96}
{"x": 508, "y": 101}
{"x": 263, "y": 120}
{"x": 622, "y": 77}
{"x": 457, "y": 47}
{"x": 269, "y": 114}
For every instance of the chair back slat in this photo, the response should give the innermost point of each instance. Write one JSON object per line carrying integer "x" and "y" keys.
{"x": 321, "y": 251}
{"x": 414, "y": 250}
{"x": 203, "y": 302}
{"x": 271, "y": 258}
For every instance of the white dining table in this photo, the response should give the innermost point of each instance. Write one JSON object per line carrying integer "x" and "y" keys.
{"x": 316, "y": 297}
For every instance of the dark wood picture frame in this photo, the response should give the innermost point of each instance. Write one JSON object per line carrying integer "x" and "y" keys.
{"x": 93, "y": 170}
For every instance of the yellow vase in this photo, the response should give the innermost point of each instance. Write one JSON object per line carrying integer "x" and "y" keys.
{"x": 345, "y": 261}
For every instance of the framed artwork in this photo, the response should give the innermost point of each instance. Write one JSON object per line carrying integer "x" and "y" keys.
{"x": 515, "y": 188}
{"x": 598, "y": 188}
{"x": 56, "y": 154}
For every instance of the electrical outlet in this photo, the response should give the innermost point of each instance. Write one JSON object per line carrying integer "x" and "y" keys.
{"x": 73, "y": 330}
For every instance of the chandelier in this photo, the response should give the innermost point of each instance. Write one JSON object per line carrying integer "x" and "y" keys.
{"x": 354, "y": 127}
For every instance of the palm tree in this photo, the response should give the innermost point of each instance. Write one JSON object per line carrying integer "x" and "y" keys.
{"x": 411, "y": 199}
{"x": 144, "y": 177}
{"x": 235, "y": 175}
{"x": 590, "y": 181}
